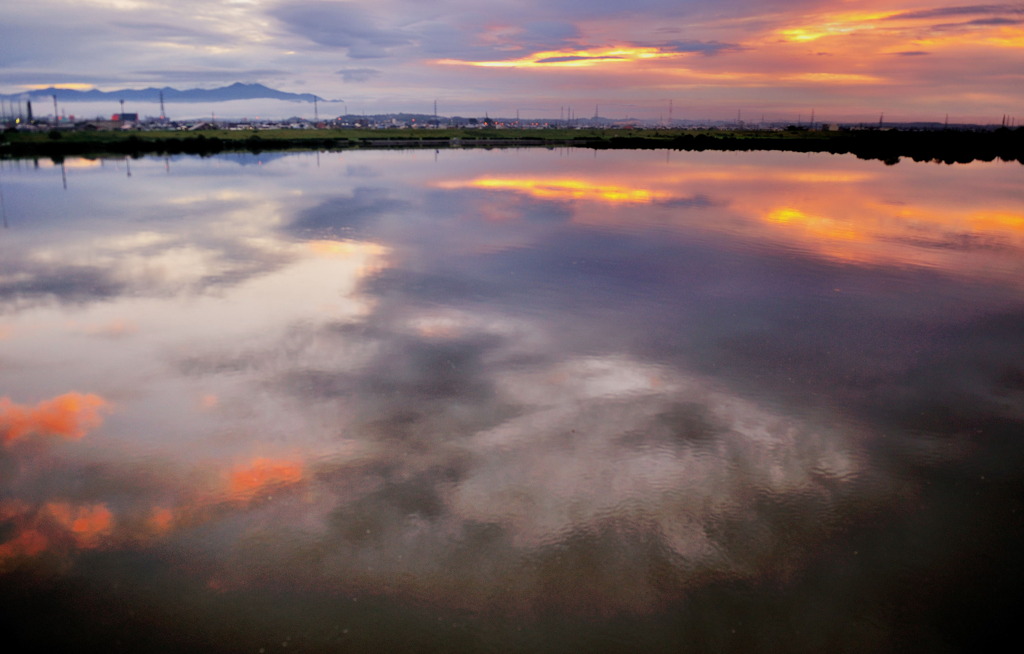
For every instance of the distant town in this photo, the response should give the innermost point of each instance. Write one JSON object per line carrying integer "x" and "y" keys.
{"x": 25, "y": 133}
{"x": 31, "y": 111}
{"x": 21, "y": 117}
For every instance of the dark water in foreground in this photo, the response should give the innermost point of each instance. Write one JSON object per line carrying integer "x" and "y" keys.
{"x": 517, "y": 401}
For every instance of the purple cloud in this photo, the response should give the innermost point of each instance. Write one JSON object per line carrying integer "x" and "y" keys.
{"x": 339, "y": 26}
{"x": 358, "y": 74}
{"x": 558, "y": 60}
{"x": 960, "y": 11}
{"x": 702, "y": 47}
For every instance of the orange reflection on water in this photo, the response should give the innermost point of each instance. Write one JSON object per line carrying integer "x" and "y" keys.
{"x": 816, "y": 226}
{"x": 345, "y": 249}
{"x": 54, "y": 526}
{"x": 160, "y": 520}
{"x": 262, "y": 475}
{"x": 837, "y": 208}
{"x": 866, "y": 230}
{"x": 26, "y": 543}
{"x": 69, "y": 416}
{"x": 567, "y": 189}
{"x": 88, "y": 524}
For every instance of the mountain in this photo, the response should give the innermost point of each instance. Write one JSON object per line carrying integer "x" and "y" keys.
{"x": 236, "y": 91}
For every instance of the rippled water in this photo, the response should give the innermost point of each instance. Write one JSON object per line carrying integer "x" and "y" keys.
{"x": 514, "y": 400}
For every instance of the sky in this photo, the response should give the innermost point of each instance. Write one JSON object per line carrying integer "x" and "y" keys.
{"x": 652, "y": 59}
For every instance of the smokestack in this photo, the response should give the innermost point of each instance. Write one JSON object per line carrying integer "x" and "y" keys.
{"x": 28, "y": 109}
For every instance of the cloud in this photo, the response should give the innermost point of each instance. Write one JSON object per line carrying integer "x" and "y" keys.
{"x": 702, "y": 47}
{"x": 479, "y": 40}
{"x": 358, "y": 74}
{"x": 996, "y": 21}
{"x": 573, "y": 57}
{"x": 68, "y": 416}
{"x": 965, "y": 10}
{"x": 562, "y": 59}
{"x": 339, "y": 26}
{"x": 192, "y": 75}
{"x": 156, "y": 30}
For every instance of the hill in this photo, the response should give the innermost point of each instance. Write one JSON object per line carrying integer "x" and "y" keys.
{"x": 236, "y": 91}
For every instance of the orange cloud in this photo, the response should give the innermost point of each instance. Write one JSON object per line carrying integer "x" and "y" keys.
{"x": 833, "y": 25}
{"x": 209, "y": 401}
{"x": 262, "y": 475}
{"x": 113, "y": 329}
{"x": 573, "y": 58}
{"x": 78, "y": 86}
{"x": 922, "y": 28}
{"x": 69, "y": 416}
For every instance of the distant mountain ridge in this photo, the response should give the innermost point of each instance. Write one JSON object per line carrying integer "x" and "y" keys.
{"x": 236, "y": 91}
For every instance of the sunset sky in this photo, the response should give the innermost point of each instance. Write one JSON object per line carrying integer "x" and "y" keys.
{"x": 844, "y": 60}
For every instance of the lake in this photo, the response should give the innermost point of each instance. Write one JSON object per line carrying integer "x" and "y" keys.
{"x": 524, "y": 400}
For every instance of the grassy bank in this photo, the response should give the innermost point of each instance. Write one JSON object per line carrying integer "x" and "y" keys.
{"x": 889, "y": 146}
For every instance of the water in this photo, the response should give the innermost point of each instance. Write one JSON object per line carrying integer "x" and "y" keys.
{"x": 512, "y": 400}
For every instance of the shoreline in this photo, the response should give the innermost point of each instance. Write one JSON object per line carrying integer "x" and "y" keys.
{"x": 889, "y": 146}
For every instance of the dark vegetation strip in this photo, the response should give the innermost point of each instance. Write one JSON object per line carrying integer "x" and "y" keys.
{"x": 946, "y": 146}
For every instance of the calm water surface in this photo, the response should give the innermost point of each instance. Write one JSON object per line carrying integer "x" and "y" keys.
{"x": 516, "y": 400}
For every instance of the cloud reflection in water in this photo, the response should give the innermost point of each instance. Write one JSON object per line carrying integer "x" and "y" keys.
{"x": 512, "y": 397}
